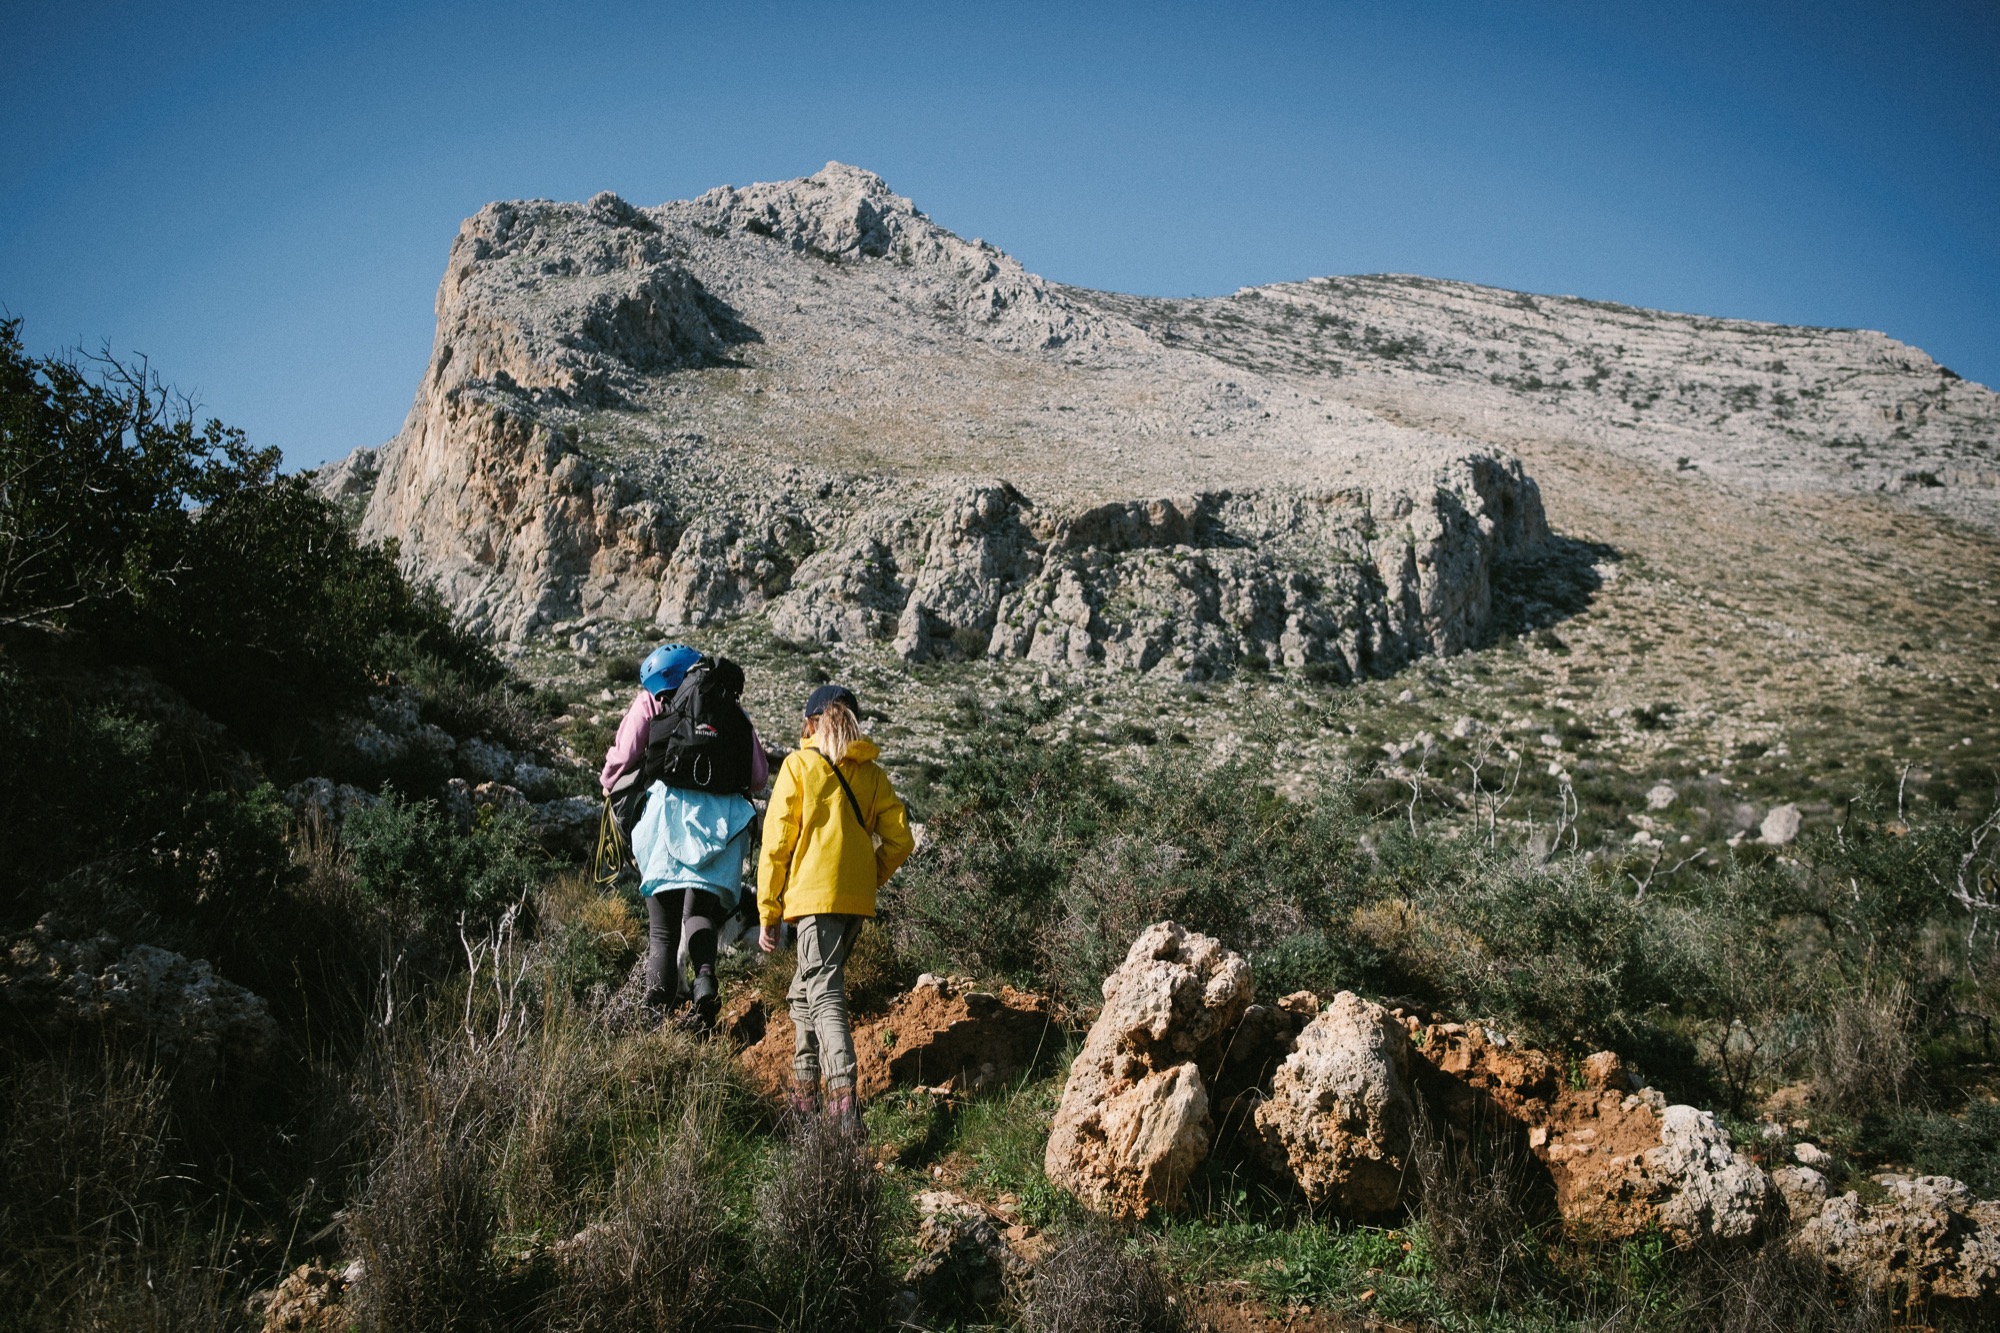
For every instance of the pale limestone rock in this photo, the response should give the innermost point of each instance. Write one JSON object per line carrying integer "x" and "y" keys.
{"x": 564, "y": 459}
{"x": 481, "y": 761}
{"x": 188, "y": 1014}
{"x": 1712, "y": 1190}
{"x": 1929, "y": 1240}
{"x": 326, "y": 803}
{"x": 619, "y": 397}
{"x": 1340, "y": 1114}
{"x": 1780, "y": 826}
{"x": 1752, "y": 406}
{"x": 499, "y": 797}
{"x": 1803, "y": 1189}
{"x": 1134, "y": 1120}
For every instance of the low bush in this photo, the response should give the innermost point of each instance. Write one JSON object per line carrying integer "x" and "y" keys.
{"x": 654, "y": 1264}
{"x": 818, "y": 1231}
{"x": 1091, "y": 1282}
{"x": 1964, "y": 1146}
{"x": 1044, "y": 865}
{"x": 411, "y": 857}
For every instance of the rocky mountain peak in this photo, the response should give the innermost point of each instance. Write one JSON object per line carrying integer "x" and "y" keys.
{"x": 838, "y": 212}
{"x": 807, "y": 402}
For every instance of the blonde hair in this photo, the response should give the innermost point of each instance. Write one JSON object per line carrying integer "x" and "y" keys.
{"x": 835, "y": 728}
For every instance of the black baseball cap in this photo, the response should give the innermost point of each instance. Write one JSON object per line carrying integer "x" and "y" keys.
{"x": 817, "y": 701}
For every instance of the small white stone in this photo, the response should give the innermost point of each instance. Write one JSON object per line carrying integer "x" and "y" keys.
{"x": 1780, "y": 826}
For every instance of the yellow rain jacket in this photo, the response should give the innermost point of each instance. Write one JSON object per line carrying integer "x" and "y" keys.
{"x": 815, "y": 859}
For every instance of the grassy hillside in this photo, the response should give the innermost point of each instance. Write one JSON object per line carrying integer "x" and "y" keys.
{"x": 454, "y": 1095}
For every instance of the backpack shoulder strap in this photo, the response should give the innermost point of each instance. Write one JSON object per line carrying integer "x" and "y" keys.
{"x": 841, "y": 777}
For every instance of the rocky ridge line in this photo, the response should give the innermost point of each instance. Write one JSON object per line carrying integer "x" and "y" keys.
{"x": 643, "y": 415}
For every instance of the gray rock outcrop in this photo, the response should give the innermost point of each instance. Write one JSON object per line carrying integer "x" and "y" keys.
{"x": 800, "y": 400}
{"x": 1706, "y": 1187}
{"x": 1780, "y": 826}
{"x": 1930, "y": 1239}
{"x": 1341, "y": 1111}
{"x": 179, "y": 1006}
{"x": 1753, "y": 405}
{"x": 1134, "y": 1120}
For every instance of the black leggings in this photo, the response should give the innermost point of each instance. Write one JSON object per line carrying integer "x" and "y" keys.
{"x": 673, "y": 915}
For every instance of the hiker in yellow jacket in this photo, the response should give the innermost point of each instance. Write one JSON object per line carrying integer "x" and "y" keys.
{"x": 834, "y": 833}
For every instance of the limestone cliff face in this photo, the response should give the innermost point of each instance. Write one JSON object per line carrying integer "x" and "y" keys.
{"x": 809, "y": 402}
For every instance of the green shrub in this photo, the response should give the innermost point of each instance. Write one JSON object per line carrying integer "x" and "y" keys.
{"x": 1043, "y": 866}
{"x": 185, "y": 554}
{"x": 1965, "y": 1146}
{"x": 411, "y": 857}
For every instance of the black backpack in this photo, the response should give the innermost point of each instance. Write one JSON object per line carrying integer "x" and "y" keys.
{"x": 701, "y": 740}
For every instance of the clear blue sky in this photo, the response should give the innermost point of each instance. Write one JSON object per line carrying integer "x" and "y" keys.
{"x": 259, "y": 196}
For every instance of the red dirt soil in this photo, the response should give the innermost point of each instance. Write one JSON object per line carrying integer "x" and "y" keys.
{"x": 944, "y": 1035}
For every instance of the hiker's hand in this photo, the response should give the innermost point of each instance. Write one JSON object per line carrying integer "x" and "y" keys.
{"x": 767, "y": 939}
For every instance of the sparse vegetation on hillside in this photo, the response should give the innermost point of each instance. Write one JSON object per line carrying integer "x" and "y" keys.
{"x": 450, "y": 1093}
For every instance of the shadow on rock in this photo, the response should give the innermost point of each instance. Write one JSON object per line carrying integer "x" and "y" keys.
{"x": 1556, "y": 580}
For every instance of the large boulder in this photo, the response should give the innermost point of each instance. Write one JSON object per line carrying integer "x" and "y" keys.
{"x": 1134, "y": 1121}
{"x": 1928, "y": 1240}
{"x": 1621, "y": 1160}
{"x": 1340, "y": 1114}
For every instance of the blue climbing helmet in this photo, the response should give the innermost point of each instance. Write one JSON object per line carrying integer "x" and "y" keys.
{"x": 663, "y": 668}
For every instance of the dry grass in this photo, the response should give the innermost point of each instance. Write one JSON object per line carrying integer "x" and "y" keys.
{"x": 1867, "y": 1051}
{"x": 653, "y": 1264}
{"x": 818, "y": 1225}
{"x": 1091, "y": 1283}
{"x": 1773, "y": 1288}
{"x": 1477, "y": 1198}
{"x": 90, "y": 1234}
{"x": 425, "y": 1225}
{"x": 616, "y": 928}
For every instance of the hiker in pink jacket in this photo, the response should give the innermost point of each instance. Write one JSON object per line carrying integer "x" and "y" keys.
{"x": 680, "y": 907}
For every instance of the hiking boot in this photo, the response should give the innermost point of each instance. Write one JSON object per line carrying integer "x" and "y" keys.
{"x": 707, "y": 1001}
{"x": 803, "y": 1100}
{"x": 844, "y": 1110}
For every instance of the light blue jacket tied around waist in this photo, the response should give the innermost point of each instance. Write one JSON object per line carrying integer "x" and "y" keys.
{"x": 692, "y": 839}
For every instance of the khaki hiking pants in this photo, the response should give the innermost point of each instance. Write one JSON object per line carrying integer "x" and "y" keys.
{"x": 822, "y": 1043}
